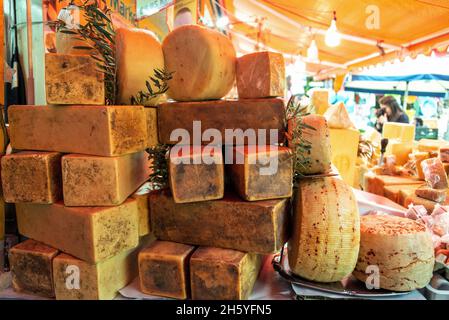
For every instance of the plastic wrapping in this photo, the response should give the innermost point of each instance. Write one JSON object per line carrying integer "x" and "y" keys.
{"x": 337, "y": 117}
{"x": 434, "y": 173}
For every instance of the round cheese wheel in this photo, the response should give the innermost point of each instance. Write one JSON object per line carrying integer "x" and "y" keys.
{"x": 203, "y": 62}
{"x": 326, "y": 230}
{"x": 400, "y": 248}
{"x": 138, "y": 54}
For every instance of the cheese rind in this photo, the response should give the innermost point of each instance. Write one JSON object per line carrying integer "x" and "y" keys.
{"x": 138, "y": 53}
{"x": 259, "y": 227}
{"x": 143, "y": 207}
{"x": 192, "y": 179}
{"x": 151, "y": 116}
{"x": 94, "y": 130}
{"x": 437, "y": 195}
{"x": 435, "y": 174}
{"x": 102, "y": 181}
{"x": 444, "y": 154}
{"x": 32, "y": 177}
{"x": 164, "y": 269}
{"x": 203, "y": 62}
{"x": 223, "y": 274}
{"x": 325, "y": 236}
{"x": 260, "y": 75}
{"x": 31, "y": 267}
{"x": 100, "y": 281}
{"x": 262, "y": 172}
{"x": 73, "y": 79}
{"x": 92, "y": 234}
{"x": 401, "y": 248}
{"x": 253, "y": 114}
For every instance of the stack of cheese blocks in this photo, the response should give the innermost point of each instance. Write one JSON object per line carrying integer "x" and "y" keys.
{"x": 216, "y": 221}
{"x": 74, "y": 182}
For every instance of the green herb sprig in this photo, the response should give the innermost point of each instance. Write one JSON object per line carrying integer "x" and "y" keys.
{"x": 99, "y": 35}
{"x": 159, "y": 167}
{"x": 159, "y": 80}
{"x": 295, "y": 113}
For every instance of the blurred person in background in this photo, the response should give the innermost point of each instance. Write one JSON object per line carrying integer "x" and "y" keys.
{"x": 389, "y": 111}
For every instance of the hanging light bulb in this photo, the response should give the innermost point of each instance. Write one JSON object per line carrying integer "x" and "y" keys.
{"x": 312, "y": 52}
{"x": 333, "y": 37}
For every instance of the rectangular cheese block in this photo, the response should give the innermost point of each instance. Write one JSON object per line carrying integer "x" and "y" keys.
{"x": 2, "y": 221}
{"x": 94, "y": 130}
{"x": 437, "y": 195}
{"x": 402, "y": 131}
{"x": 73, "y": 79}
{"x": 376, "y": 183}
{"x": 259, "y": 227}
{"x": 151, "y": 117}
{"x": 76, "y": 279}
{"x": 446, "y": 168}
{"x": 320, "y": 100}
{"x": 444, "y": 154}
{"x": 143, "y": 207}
{"x": 102, "y": 181}
{"x": 419, "y": 157}
{"x": 434, "y": 173}
{"x": 262, "y": 172}
{"x": 164, "y": 269}
{"x": 92, "y": 234}
{"x": 429, "y": 145}
{"x": 401, "y": 150}
{"x": 344, "y": 146}
{"x": 32, "y": 176}
{"x": 196, "y": 174}
{"x": 415, "y": 200}
{"x": 31, "y": 267}
{"x": 223, "y": 274}
{"x": 398, "y": 193}
{"x": 260, "y": 75}
{"x": 240, "y": 115}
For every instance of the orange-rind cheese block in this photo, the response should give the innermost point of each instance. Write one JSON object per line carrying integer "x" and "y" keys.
{"x": 260, "y": 75}
{"x": 437, "y": 195}
{"x": 435, "y": 174}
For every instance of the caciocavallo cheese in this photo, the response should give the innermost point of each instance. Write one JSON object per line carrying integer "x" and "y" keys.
{"x": 138, "y": 53}
{"x": 203, "y": 61}
{"x": 326, "y": 230}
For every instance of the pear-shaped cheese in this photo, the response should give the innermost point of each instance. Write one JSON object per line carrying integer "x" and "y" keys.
{"x": 203, "y": 62}
{"x": 326, "y": 230}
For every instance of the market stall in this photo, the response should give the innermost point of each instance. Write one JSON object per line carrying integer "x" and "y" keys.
{"x": 163, "y": 155}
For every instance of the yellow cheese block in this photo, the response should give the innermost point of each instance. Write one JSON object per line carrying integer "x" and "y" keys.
{"x": 398, "y": 193}
{"x": 419, "y": 157}
{"x": 223, "y": 274}
{"x": 142, "y": 198}
{"x": 344, "y": 146}
{"x": 95, "y": 130}
{"x": 401, "y": 150}
{"x": 262, "y": 172}
{"x": 191, "y": 179}
{"x": 32, "y": 176}
{"x": 260, "y": 75}
{"x": 138, "y": 54}
{"x": 76, "y": 279}
{"x": 73, "y": 79}
{"x": 377, "y": 183}
{"x": 320, "y": 100}
{"x": 102, "y": 181}
{"x": 203, "y": 62}
{"x": 92, "y": 234}
{"x": 31, "y": 268}
{"x": 164, "y": 269}
{"x": 151, "y": 116}
{"x": 402, "y": 131}
{"x": 428, "y": 145}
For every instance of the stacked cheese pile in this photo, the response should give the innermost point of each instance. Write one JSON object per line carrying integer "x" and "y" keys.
{"x": 211, "y": 241}
{"x": 73, "y": 183}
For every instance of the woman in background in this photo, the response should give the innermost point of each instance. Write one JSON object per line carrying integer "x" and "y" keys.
{"x": 390, "y": 111}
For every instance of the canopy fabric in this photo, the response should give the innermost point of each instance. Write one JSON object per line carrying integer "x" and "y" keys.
{"x": 426, "y": 76}
{"x": 406, "y": 27}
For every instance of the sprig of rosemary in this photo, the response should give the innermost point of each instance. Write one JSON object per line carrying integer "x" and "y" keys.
{"x": 159, "y": 167}
{"x": 295, "y": 112}
{"x": 160, "y": 81}
{"x": 99, "y": 35}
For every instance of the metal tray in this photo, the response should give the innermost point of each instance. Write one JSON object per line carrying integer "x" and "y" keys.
{"x": 437, "y": 289}
{"x": 349, "y": 286}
